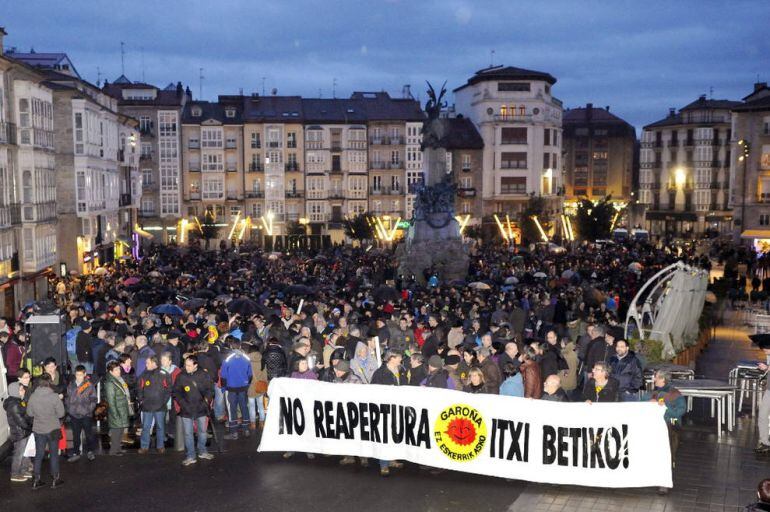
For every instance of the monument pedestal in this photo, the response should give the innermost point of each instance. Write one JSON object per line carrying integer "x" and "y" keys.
{"x": 440, "y": 249}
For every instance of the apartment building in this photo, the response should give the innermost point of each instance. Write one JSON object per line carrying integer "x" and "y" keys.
{"x": 465, "y": 158}
{"x": 599, "y": 152}
{"x": 158, "y": 113}
{"x": 685, "y": 170}
{"x": 28, "y": 245}
{"x": 520, "y": 123}
{"x": 213, "y": 178}
{"x": 749, "y": 161}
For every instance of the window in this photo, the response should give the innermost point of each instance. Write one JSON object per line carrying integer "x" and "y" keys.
{"x": 291, "y": 140}
{"x": 764, "y": 220}
{"x": 79, "y": 133}
{"x": 513, "y": 160}
{"x": 196, "y": 111}
{"x": 255, "y": 140}
{"x": 547, "y": 137}
{"x": 230, "y": 112}
{"x": 211, "y": 137}
{"x": 599, "y": 155}
{"x": 513, "y": 86}
{"x": 146, "y": 150}
{"x": 145, "y": 124}
{"x": 274, "y": 138}
{"x": 212, "y": 162}
{"x": 146, "y": 176}
{"x": 513, "y": 185}
{"x": 169, "y": 203}
{"x": 466, "y": 182}
{"x": 513, "y": 136}
{"x": 466, "y": 160}
{"x": 213, "y": 188}
{"x": 167, "y": 124}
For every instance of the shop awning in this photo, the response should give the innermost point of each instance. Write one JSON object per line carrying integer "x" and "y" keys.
{"x": 756, "y": 233}
{"x": 144, "y": 234}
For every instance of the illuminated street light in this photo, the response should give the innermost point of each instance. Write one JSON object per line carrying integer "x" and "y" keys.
{"x": 680, "y": 177}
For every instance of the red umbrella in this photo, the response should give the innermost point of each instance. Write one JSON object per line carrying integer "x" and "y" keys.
{"x": 131, "y": 281}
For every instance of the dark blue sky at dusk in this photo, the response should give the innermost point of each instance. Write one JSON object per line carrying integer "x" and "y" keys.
{"x": 638, "y": 57}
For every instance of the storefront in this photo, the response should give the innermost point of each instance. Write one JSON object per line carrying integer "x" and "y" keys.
{"x": 758, "y": 238}
{"x": 671, "y": 223}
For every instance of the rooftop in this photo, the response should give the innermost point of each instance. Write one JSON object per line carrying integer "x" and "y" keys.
{"x": 507, "y": 73}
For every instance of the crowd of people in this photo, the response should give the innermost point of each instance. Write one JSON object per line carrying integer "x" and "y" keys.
{"x": 198, "y": 335}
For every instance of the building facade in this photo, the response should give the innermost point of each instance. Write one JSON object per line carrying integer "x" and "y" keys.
{"x": 158, "y": 153}
{"x": 28, "y": 245}
{"x": 749, "y": 161}
{"x": 598, "y": 155}
{"x": 520, "y": 123}
{"x": 685, "y": 169}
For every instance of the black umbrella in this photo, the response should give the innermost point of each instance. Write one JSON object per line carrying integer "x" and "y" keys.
{"x": 298, "y": 289}
{"x": 244, "y": 307}
{"x": 205, "y": 293}
{"x": 195, "y": 303}
{"x": 384, "y": 293}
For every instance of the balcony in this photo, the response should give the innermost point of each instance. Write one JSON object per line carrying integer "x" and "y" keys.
{"x": 145, "y": 156}
{"x": 275, "y": 144}
{"x": 255, "y": 194}
{"x": 466, "y": 192}
{"x": 396, "y": 165}
{"x": 295, "y": 194}
{"x": 291, "y": 144}
{"x": 357, "y": 144}
{"x": 376, "y": 141}
{"x": 7, "y": 133}
{"x": 378, "y": 165}
{"x": 313, "y": 144}
{"x": 255, "y": 167}
{"x": 336, "y": 169}
{"x": 688, "y": 143}
{"x": 336, "y": 194}
{"x": 292, "y": 167}
{"x": 230, "y": 144}
{"x": 466, "y": 169}
{"x": 233, "y": 196}
{"x": 194, "y": 167}
{"x": 38, "y": 212}
{"x": 255, "y": 144}
{"x": 193, "y": 144}
{"x": 124, "y": 200}
{"x": 673, "y": 143}
{"x": 513, "y": 118}
{"x": 147, "y": 131}
{"x": 336, "y": 146}
{"x": 397, "y": 141}
{"x": 149, "y": 185}
{"x": 195, "y": 195}
{"x": 231, "y": 167}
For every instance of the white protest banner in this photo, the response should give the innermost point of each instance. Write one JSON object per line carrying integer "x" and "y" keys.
{"x": 600, "y": 445}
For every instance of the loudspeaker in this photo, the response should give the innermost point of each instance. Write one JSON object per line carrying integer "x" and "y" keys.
{"x": 45, "y": 335}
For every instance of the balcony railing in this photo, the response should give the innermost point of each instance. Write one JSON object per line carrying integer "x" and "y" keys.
{"x": 397, "y": 141}
{"x": 292, "y": 167}
{"x": 466, "y": 192}
{"x": 336, "y": 194}
{"x": 386, "y": 191}
{"x": 255, "y": 194}
{"x": 688, "y": 143}
{"x": 512, "y": 118}
{"x": 295, "y": 194}
{"x": 231, "y": 167}
{"x": 336, "y": 169}
{"x": 125, "y": 200}
{"x": 396, "y": 165}
{"x": 673, "y": 143}
{"x": 230, "y": 144}
{"x": 378, "y": 165}
{"x": 254, "y": 167}
{"x": 336, "y": 147}
{"x": 233, "y": 196}
{"x": 38, "y": 212}
{"x": 274, "y": 144}
{"x": 145, "y": 156}
{"x": 291, "y": 144}
{"x": 466, "y": 169}
{"x": 193, "y": 144}
{"x": 194, "y": 166}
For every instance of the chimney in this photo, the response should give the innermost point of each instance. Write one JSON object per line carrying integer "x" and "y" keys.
{"x": 671, "y": 112}
{"x": 757, "y": 86}
{"x": 3, "y": 33}
{"x": 607, "y": 108}
{"x": 589, "y": 113}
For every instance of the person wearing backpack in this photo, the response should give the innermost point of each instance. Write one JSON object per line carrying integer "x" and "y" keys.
{"x": 153, "y": 392}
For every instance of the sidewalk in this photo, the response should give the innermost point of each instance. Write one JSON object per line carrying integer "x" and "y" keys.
{"x": 710, "y": 475}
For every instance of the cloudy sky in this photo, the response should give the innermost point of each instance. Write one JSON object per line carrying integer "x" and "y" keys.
{"x": 639, "y": 57}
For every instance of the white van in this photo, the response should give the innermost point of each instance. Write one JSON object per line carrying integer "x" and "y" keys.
{"x": 5, "y": 434}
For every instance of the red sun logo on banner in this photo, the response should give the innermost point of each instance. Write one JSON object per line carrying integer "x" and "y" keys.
{"x": 461, "y": 431}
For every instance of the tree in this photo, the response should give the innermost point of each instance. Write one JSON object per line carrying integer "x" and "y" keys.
{"x": 360, "y": 227}
{"x": 594, "y": 221}
{"x": 536, "y": 207}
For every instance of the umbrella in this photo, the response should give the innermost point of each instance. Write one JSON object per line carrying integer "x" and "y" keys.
{"x": 100, "y": 271}
{"x": 154, "y": 273}
{"x": 539, "y": 275}
{"x": 635, "y": 267}
{"x": 511, "y": 280}
{"x": 188, "y": 276}
{"x": 242, "y": 270}
{"x": 195, "y": 303}
{"x": 244, "y": 307}
{"x": 711, "y": 297}
{"x": 131, "y": 281}
{"x": 384, "y": 293}
{"x": 168, "y": 309}
{"x": 298, "y": 289}
{"x": 478, "y": 285}
{"x": 224, "y": 298}
{"x": 567, "y": 274}
{"x": 205, "y": 293}
{"x": 73, "y": 272}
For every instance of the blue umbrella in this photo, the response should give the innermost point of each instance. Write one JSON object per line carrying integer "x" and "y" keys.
{"x": 168, "y": 309}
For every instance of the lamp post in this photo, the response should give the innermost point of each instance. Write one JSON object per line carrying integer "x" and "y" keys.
{"x": 744, "y": 157}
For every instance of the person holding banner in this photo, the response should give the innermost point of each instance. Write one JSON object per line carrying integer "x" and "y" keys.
{"x": 364, "y": 363}
{"x": 389, "y": 374}
{"x": 601, "y": 387}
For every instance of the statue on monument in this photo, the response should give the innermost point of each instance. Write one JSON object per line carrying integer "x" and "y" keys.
{"x": 434, "y": 242}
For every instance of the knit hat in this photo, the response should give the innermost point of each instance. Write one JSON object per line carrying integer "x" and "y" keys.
{"x": 452, "y": 359}
{"x": 435, "y": 361}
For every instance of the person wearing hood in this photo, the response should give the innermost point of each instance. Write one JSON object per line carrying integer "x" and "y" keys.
{"x": 437, "y": 375}
{"x": 274, "y": 361}
{"x": 46, "y": 410}
{"x": 627, "y": 369}
{"x": 20, "y": 426}
{"x": 364, "y": 363}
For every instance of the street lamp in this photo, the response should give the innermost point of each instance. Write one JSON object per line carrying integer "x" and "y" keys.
{"x": 680, "y": 177}
{"x": 744, "y": 157}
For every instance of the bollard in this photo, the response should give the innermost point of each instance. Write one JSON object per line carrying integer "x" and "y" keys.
{"x": 179, "y": 437}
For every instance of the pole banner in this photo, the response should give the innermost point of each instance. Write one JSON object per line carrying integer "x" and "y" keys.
{"x": 599, "y": 445}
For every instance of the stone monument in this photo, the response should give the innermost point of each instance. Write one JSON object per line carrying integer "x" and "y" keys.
{"x": 433, "y": 241}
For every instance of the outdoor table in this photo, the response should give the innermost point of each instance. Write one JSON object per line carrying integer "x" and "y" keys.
{"x": 747, "y": 377}
{"x": 720, "y": 393}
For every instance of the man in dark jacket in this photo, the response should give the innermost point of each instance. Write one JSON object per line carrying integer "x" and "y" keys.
{"x": 153, "y": 391}
{"x": 600, "y": 349}
{"x": 552, "y": 390}
{"x": 551, "y": 360}
{"x": 83, "y": 343}
{"x": 389, "y": 374}
{"x": 492, "y": 375}
{"x": 20, "y": 429}
{"x": 417, "y": 369}
{"x": 627, "y": 369}
{"x": 193, "y": 391}
{"x": 236, "y": 378}
{"x": 80, "y": 402}
{"x": 274, "y": 360}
